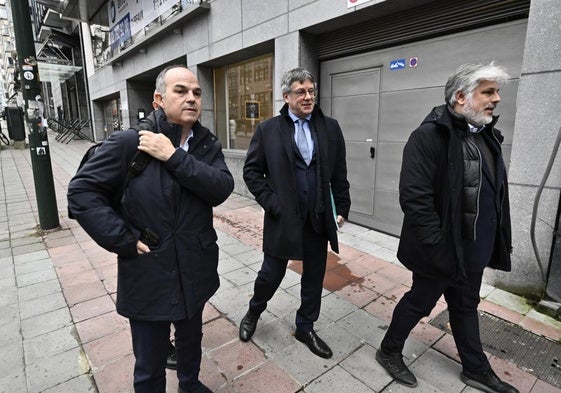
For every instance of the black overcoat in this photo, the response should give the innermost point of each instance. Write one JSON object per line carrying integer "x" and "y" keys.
{"x": 269, "y": 173}
{"x": 174, "y": 199}
{"x": 431, "y": 197}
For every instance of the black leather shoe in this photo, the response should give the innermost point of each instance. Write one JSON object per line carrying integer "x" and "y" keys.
{"x": 488, "y": 382}
{"x": 316, "y": 344}
{"x": 200, "y": 389}
{"x": 172, "y": 360}
{"x": 393, "y": 364}
{"x": 248, "y": 326}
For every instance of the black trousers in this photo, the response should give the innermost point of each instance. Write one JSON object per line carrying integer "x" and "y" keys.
{"x": 273, "y": 270}
{"x": 150, "y": 342}
{"x": 464, "y": 320}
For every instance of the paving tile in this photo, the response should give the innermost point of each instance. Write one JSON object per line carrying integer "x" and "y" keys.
{"x": 41, "y": 305}
{"x": 381, "y": 308}
{"x": 543, "y": 387}
{"x": 509, "y": 300}
{"x": 357, "y": 294}
{"x": 237, "y": 358}
{"x": 35, "y": 277}
{"x": 396, "y": 274}
{"x": 116, "y": 377}
{"x": 10, "y": 333}
{"x": 210, "y": 375}
{"x": 500, "y": 311}
{"x": 275, "y": 335}
{"x": 342, "y": 342}
{"x": 11, "y": 358}
{"x": 278, "y": 380}
{"x": 426, "y": 333}
{"x": 378, "y": 283}
{"x": 365, "y": 326}
{"x": 38, "y": 290}
{"x": 108, "y": 349}
{"x": 92, "y": 308}
{"x": 542, "y": 324}
{"x": 210, "y": 313}
{"x": 34, "y": 266}
{"x": 30, "y": 257}
{"x": 363, "y": 366}
{"x": 283, "y": 303}
{"x": 14, "y": 382}
{"x": 334, "y": 282}
{"x": 50, "y": 372}
{"x": 81, "y": 384}
{"x": 506, "y": 371}
{"x": 50, "y": 344}
{"x": 100, "y": 326}
{"x": 45, "y": 323}
{"x": 240, "y": 276}
{"x": 217, "y": 333}
{"x": 337, "y": 380}
{"x": 79, "y": 293}
{"x": 448, "y": 371}
{"x": 335, "y": 307}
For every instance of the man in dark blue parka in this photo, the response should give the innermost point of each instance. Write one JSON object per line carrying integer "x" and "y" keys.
{"x": 163, "y": 228}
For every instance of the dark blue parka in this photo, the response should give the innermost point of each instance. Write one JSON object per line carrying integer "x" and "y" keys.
{"x": 174, "y": 199}
{"x": 435, "y": 201}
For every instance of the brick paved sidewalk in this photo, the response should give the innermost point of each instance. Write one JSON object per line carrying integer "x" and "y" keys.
{"x": 59, "y": 314}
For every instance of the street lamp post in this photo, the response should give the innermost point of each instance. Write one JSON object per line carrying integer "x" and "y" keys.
{"x": 38, "y": 141}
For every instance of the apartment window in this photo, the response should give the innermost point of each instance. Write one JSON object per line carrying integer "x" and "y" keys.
{"x": 243, "y": 98}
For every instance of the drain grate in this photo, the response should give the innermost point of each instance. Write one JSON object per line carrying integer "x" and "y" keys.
{"x": 534, "y": 354}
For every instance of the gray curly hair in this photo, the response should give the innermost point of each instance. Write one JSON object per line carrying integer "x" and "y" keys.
{"x": 468, "y": 76}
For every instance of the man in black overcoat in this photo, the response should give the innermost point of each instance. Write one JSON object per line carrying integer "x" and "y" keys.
{"x": 453, "y": 190}
{"x": 296, "y": 169}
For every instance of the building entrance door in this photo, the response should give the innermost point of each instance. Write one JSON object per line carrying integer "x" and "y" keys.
{"x": 352, "y": 97}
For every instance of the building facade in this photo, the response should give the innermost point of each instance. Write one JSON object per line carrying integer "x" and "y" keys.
{"x": 381, "y": 66}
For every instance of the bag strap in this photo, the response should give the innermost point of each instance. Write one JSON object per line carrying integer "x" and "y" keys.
{"x": 140, "y": 159}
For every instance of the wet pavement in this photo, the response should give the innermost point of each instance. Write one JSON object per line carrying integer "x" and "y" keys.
{"x": 59, "y": 331}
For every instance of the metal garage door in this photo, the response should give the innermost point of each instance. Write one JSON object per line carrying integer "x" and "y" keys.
{"x": 378, "y": 106}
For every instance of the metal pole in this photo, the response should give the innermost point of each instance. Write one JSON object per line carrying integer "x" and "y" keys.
{"x": 38, "y": 141}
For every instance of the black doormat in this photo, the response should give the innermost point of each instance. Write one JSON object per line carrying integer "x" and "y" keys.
{"x": 534, "y": 354}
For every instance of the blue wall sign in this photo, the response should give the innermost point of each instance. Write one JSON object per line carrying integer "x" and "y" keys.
{"x": 397, "y": 64}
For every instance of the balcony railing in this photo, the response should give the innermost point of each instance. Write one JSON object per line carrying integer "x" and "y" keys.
{"x": 106, "y": 51}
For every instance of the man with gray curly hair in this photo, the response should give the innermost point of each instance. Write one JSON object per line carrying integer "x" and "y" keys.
{"x": 453, "y": 191}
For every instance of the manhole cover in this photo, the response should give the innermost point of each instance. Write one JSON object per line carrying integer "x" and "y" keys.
{"x": 534, "y": 354}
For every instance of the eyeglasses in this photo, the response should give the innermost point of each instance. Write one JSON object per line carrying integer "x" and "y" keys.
{"x": 302, "y": 92}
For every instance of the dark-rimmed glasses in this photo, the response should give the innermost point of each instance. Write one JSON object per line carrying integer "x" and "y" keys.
{"x": 302, "y": 92}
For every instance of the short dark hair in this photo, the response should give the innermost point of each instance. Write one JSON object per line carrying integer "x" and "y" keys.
{"x": 160, "y": 79}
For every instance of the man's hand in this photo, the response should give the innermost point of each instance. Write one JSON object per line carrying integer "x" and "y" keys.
{"x": 142, "y": 248}
{"x": 340, "y": 221}
{"x": 157, "y": 145}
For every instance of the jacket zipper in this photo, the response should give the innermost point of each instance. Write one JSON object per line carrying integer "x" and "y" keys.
{"x": 470, "y": 141}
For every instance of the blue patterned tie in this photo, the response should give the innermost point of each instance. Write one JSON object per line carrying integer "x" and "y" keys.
{"x": 302, "y": 142}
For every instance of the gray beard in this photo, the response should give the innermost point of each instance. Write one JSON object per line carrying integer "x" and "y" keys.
{"x": 474, "y": 117}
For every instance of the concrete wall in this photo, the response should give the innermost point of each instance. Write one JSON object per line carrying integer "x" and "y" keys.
{"x": 537, "y": 123}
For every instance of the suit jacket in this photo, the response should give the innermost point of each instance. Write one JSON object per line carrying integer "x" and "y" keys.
{"x": 269, "y": 173}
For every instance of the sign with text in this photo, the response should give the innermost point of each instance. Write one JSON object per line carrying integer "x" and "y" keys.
{"x": 353, "y": 3}
{"x": 131, "y": 16}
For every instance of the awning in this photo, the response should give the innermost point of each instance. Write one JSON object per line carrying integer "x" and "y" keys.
{"x": 54, "y": 65}
{"x": 56, "y": 73}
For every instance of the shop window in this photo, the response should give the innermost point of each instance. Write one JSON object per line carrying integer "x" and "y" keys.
{"x": 244, "y": 97}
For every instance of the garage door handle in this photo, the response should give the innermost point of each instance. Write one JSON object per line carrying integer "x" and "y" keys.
{"x": 372, "y": 152}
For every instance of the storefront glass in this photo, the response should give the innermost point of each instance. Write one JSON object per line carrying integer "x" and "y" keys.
{"x": 244, "y": 97}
